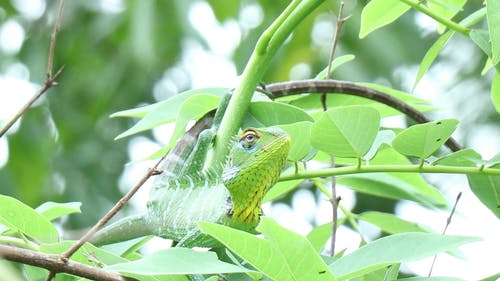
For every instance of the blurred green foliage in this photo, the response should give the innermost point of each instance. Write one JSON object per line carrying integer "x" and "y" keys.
{"x": 64, "y": 149}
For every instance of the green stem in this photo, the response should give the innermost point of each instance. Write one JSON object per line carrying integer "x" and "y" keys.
{"x": 417, "y": 5}
{"x": 266, "y": 48}
{"x": 389, "y": 169}
{"x": 13, "y": 241}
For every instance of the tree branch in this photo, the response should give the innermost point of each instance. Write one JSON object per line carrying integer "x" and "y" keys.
{"x": 54, "y": 263}
{"x": 50, "y": 80}
{"x": 282, "y": 89}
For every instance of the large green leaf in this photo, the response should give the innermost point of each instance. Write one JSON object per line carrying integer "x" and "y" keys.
{"x": 446, "y": 9}
{"x": 19, "y": 217}
{"x": 487, "y": 189}
{"x": 390, "y": 223}
{"x": 424, "y": 139}
{"x": 389, "y": 185}
{"x": 165, "y": 111}
{"x": 495, "y": 92}
{"x": 193, "y": 108}
{"x": 346, "y": 131}
{"x": 482, "y": 40}
{"x": 431, "y": 279}
{"x": 293, "y": 256}
{"x": 53, "y": 210}
{"x": 493, "y": 16}
{"x": 335, "y": 64}
{"x": 378, "y": 13}
{"x": 266, "y": 113}
{"x": 177, "y": 261}
{"x": 431, "y": 55}
{"x": 397, "y": 248}
{"x": 300, "y": 141}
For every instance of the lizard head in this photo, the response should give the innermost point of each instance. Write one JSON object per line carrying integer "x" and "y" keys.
{"x": 255, "y": 161}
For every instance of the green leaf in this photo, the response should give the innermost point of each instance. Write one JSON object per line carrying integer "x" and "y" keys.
{"x": 53, "y": 210}
{"x": 266, "y": 113}
{"x": 293, "y": 256}
{"x": 413, "y": 183}
{"x": 465, "y": 157}
{"x": 335, "y": 64}
{"x": 319, "y": 235}
{"x": 346, "y": 131}
{"x": 446, "y": 9}
{"x": 482, "y": 40}
{"x": 495, "y": 92}
{"x": 388, "y": 185}
{"x": 378, "y": 13}
{"x": 424, "y": 139}
{"x": 431, "y": 279}
{"x": 431, "y": 55}
{"x": 177, "y": 261}
{"x": 390, "y": 223}
{"x": 397, "y": 248}
{"x": 193, "y": 108}
{"x": 163, "y": 112}
{"x": 487, "y": 189}
{"x": 19, "y": 217}
{"x": 493, "y": 16}
{"x": 300, "y": 145}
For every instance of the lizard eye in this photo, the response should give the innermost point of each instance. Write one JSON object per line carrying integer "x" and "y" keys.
{"x": 249, "y": 138}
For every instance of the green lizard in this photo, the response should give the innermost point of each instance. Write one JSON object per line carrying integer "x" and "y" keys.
{"x": 182, "y": 195}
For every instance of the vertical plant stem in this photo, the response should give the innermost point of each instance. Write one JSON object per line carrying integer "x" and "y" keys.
{"x": 266, "y": 48}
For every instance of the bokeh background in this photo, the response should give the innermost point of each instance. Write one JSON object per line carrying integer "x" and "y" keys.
{"x": 122, "y": 54}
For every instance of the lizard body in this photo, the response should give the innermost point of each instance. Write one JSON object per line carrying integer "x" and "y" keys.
{"x": 179, "y": 201}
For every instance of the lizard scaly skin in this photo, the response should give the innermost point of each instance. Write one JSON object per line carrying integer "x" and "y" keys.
{"x": 234, "y": 198}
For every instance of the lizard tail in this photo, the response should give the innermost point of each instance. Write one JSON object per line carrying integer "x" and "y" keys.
{"x": 122, "y": 230}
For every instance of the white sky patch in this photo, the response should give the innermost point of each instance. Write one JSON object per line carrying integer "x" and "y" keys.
{"x": 4, "y": 152}
{"x": 251, "y": 16}
{"x": 112, "y": 6}
{"x": 16, "y": 91}
{"x": 206, "y": 68}
{"x": 11, "y": 37}
{"x": 222, "y": 39}
{"x": 30, "y": 9}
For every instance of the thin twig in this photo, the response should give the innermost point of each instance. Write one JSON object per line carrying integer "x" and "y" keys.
{"x": 50, "y": 80}
{"x": 55, "y": 264}
{"x": 53, "y": 39}
{"x": 333, "y": 200}
{"x": 282, "y": 89}
{"x": 112, "y": 212}
{"x": 448, "y": 222}
{"x": 340, "y": 22}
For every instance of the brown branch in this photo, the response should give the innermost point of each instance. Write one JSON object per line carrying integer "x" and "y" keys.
{"x": 334, "y": 200}
{"x": 448, "y": 222}
{"x": 112, "y": 212}
{"x": 54, "y": 263}
{"x": 50, "y": 80}
{"x": 282, "y": 89}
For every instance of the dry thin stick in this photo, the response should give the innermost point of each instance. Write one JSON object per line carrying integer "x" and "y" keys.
{"x": 448, "y": 222}
{"x": 50, "y": 80}
{"x": 55, "y": 264}
{"x": 282, "y": 89}
{"x": 334, "y": 200}
{"x": 110, "y": 214}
